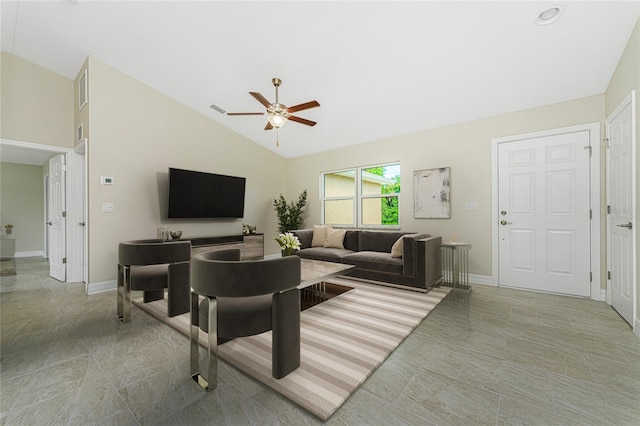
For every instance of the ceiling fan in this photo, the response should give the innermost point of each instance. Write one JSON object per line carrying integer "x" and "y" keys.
{"x": 278, "y": 114}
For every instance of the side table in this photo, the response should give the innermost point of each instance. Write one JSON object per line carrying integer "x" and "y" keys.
{"x": 455, "y": 265}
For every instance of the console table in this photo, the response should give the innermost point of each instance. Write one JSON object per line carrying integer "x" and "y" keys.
{"x": 251, "y": 245}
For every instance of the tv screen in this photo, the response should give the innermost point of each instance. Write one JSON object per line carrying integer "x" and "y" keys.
{"x": 205, "y": 195}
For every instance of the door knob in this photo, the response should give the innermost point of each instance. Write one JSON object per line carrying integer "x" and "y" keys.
{"x": 626, "y": 225}
{"x": 49, "y": 223}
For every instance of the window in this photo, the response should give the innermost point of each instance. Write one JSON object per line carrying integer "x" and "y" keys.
{"x": 366, "y": 196}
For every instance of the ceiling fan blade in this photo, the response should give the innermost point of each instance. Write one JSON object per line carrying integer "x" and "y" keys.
{"x": 268, "y": 126}
{"x": 261, "y": 99}
{"x": 245, "y": 113}
{"x": 306, "y": 105}
{"x": 302, "y": 120}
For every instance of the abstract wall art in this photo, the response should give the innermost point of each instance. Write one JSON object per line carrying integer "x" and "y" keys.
{"x": 432, "y": 193}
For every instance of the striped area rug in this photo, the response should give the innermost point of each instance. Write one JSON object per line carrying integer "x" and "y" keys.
{"x": 343, "y": 341}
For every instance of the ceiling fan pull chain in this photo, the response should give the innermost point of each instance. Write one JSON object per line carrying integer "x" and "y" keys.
{"x": 277, "y": 141}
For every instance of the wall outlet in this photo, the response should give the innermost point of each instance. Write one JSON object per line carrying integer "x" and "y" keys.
{"x": 107, "y": 207}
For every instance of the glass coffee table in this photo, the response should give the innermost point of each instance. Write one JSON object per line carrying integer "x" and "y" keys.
{"x": 314, "y": 288}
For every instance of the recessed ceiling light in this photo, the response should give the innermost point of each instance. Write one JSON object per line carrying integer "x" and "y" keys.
{"x": 550, "y": 15}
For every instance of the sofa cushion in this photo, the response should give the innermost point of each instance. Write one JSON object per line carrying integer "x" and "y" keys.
{"x": 319, "y": 235}
{"x": 378, "y": 240}
{"x": 335, "y": 238}
{"x": 304, "y": 236}
{"x": 374, "y": 260}
{"x": 352, "y": 240}
{"x": 323, "y": 253}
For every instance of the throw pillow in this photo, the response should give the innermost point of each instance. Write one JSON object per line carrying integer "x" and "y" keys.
{"x": 396, "y": 249}
{"x": 335, "y": 238}
{"x": 319, "y": 235}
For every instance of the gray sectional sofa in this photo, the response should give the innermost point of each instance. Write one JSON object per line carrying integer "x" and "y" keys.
{"x": 371, "y": 252}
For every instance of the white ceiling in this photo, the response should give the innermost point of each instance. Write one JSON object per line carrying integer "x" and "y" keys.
{"x": 378, "y": 69}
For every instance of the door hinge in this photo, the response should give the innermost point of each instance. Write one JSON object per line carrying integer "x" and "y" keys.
{"x": 608, "y": 275}
{"x": 608, "y": 209}
{"x": 607, "y": 143}
{"x": 64, "y": 214}
{"x": 590, "y": 276}
{"x": 64, "y": 167}
{"x": 64, "y": 260}
{"x": 590, "y": 214}
{"x": 589, "y": 148}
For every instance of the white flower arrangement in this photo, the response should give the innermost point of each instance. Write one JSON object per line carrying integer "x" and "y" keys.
{"x": 288, "y": 243}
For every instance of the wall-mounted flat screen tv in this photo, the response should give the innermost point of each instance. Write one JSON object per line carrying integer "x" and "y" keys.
{"x": 205, "y": 195}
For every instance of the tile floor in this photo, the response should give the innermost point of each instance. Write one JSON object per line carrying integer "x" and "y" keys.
{"x": 496, "y": 356}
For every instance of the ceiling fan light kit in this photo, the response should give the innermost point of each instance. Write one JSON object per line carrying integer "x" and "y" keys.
{"x": 278, "y": 114}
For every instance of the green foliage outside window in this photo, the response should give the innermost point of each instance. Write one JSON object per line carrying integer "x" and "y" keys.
{"x": 389, "y": 205}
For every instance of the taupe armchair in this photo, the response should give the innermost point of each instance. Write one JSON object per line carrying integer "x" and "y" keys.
{"x": 152, "y": 266}
{"x": 243, "y": 298}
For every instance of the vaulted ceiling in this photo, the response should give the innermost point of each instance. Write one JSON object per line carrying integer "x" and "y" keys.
{"x": 378, "y": 69}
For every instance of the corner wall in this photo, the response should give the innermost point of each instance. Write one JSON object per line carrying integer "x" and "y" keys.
{"x": 136, "y": 134}
{"x": 465, "y": 147}
{"x": 35, "y": 103}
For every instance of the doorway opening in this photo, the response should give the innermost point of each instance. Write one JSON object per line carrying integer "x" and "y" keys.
{"x": 37, "y": 154}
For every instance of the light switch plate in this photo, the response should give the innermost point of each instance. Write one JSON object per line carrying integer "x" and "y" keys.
{"x": 471, "y": 205}
{"x": 107, "y": 207}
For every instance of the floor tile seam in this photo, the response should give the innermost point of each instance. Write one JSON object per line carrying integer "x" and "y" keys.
{"x": 42, "y": 401}
{"x": 91, "y": 355}
{"x": 571, "y": 408}
{"x": 111, "y": 384}
{"x": 44, "y": 367}
{"x": 411, "y": 413}
{"x": 595, "y": 387}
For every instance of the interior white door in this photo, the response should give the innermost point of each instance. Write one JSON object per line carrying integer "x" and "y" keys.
{"x": 620, "y": 208}
{"x": 57, "y": 220}
{"x": 544, "y": 232}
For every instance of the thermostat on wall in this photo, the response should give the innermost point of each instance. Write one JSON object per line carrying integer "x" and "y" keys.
{"x": 107, "y": 180}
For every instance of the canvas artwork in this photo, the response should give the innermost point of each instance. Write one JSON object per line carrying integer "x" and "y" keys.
{"x": 432, "y": 193}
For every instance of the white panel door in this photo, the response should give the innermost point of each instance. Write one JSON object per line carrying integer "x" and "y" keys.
{"x": 544, "y": 232}
{"x": 57, "y": 220}
{"x": 620, "y": 218}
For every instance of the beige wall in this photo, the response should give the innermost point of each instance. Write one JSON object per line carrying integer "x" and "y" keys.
{"x": 625, "y": 79}
{"x": 465, "y": 147}
{"x": 137, "y": 133}
{"x": 22, "y": 204}
{"x": 36, "y": 103}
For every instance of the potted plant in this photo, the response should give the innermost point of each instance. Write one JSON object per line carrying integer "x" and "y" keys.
{"x": 290, "y": 214}
{"x": 8, "y": 228}
{"x": 289, "y": 243}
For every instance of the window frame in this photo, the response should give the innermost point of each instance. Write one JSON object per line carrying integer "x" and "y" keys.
{"x": 358, "y": 197}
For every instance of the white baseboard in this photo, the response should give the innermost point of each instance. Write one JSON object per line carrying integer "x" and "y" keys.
{"x": 603, "y": 295}
{"x": 37, "y": 253}
{"x": 481, "y": 279}
{"x": 101, "y": 287}
{"x": 636, "y": 327}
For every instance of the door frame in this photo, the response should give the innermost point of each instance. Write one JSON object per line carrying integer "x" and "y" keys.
{"x": 73, "y": 235}
{"x": 594, "y": 198}
{"x": 628, "y": 100}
